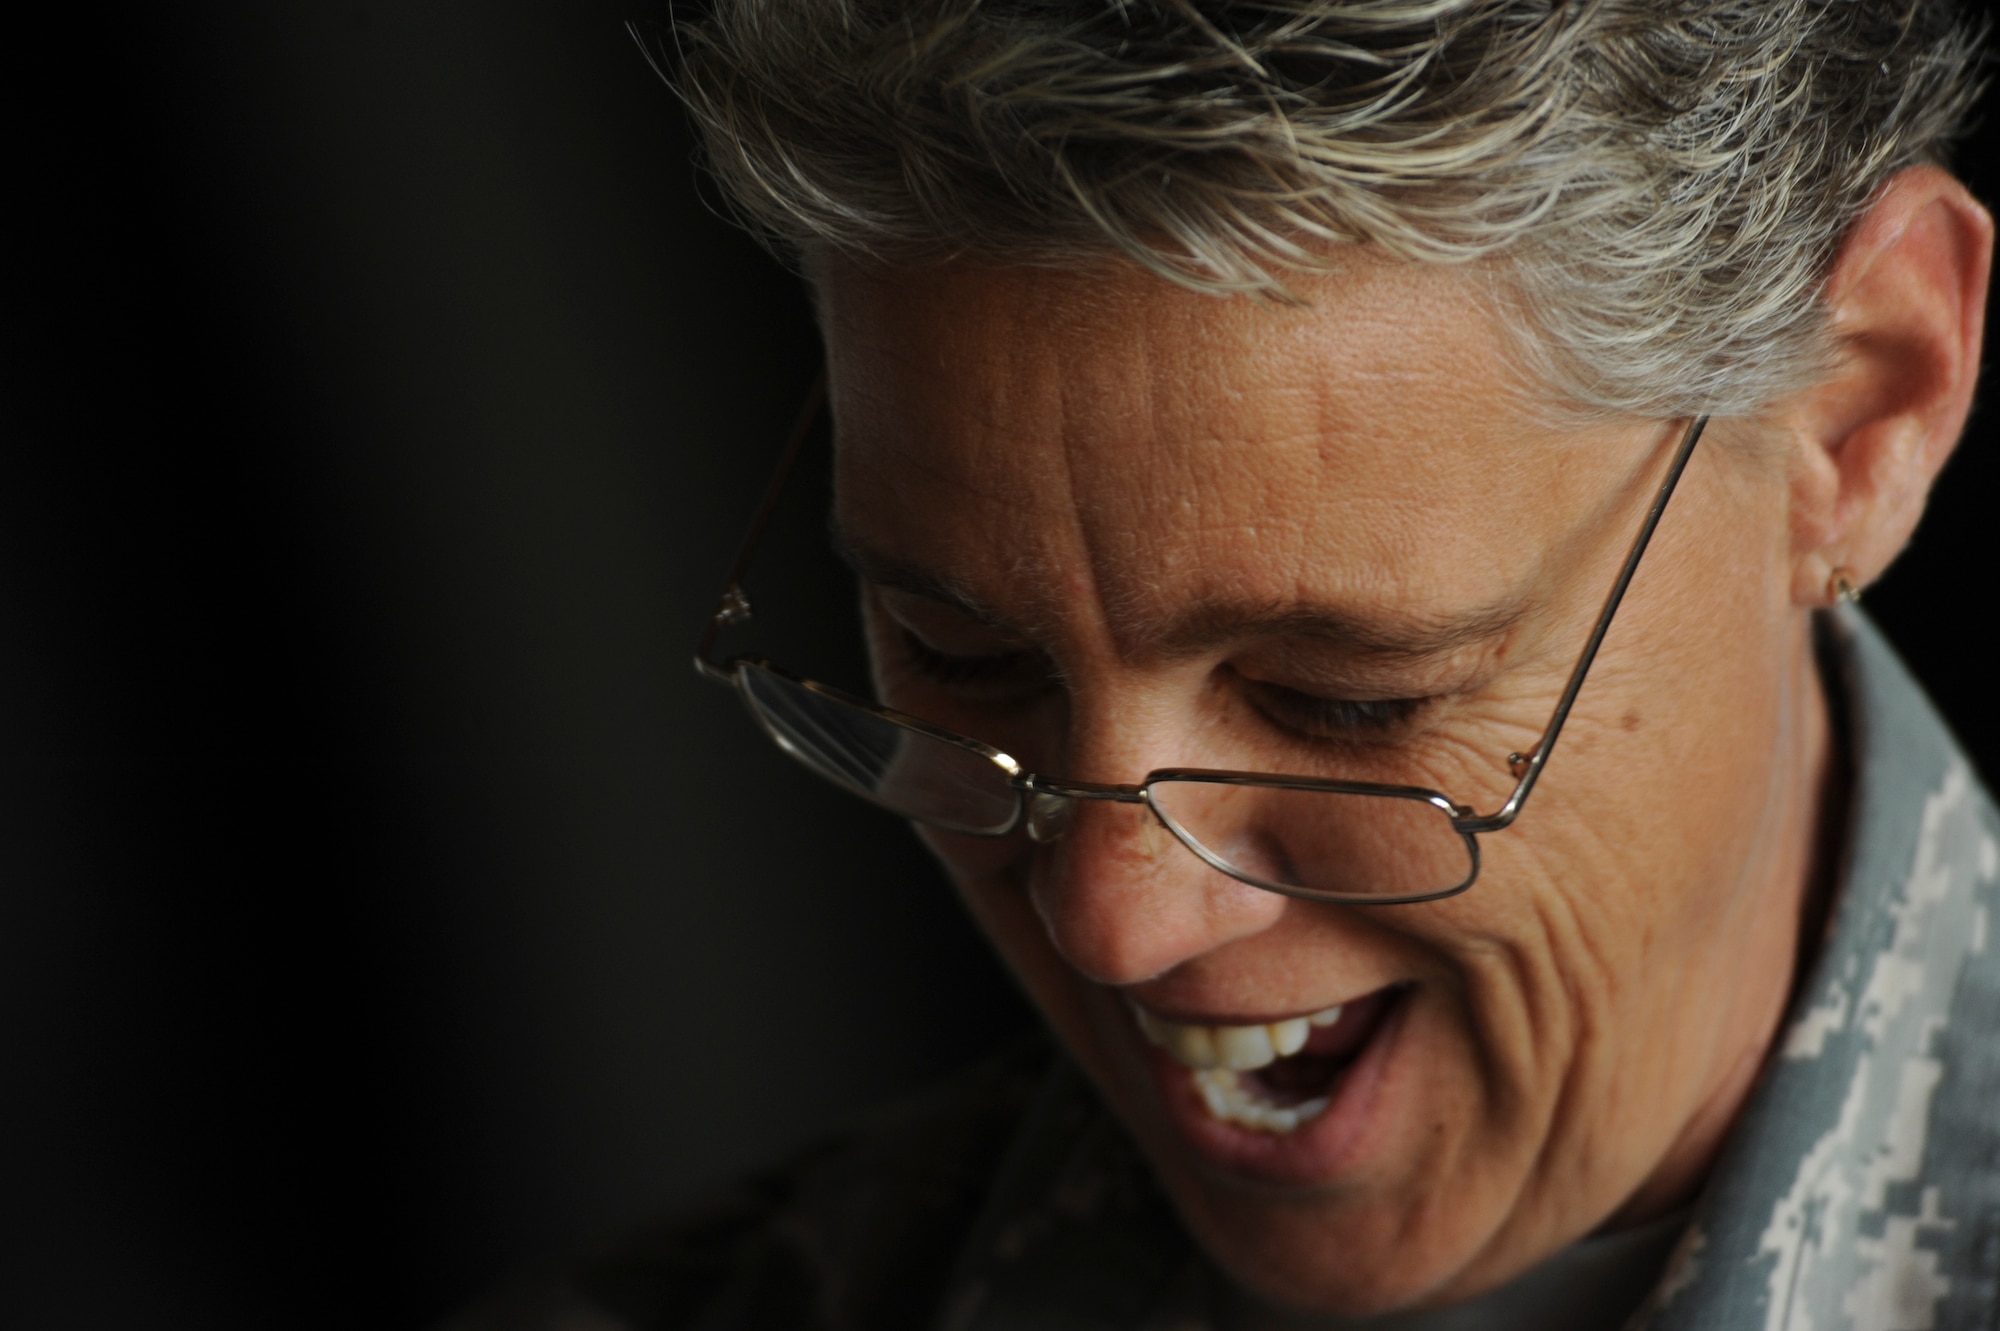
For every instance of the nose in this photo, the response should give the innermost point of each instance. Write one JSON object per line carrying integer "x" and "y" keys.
{"x": 1122, "y": 899}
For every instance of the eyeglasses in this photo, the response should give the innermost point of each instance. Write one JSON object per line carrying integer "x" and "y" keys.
{"x": 1352, "y": 842}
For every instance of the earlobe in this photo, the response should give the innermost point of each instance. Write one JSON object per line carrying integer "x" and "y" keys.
{"x": 1906, "y": 298}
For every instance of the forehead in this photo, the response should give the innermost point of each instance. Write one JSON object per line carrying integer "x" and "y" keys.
{"x": 1049, "y": 440}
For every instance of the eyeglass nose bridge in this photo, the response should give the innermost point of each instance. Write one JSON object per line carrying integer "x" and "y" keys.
{"x": 1052, "y": 804}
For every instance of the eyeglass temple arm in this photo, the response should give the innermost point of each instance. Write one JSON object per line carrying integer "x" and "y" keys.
{"x": 733, "y": 607}
{"x": 1536, "y": 760}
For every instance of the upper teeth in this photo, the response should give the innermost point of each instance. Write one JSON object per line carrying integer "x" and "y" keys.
{"x": 1241, "y": 1048}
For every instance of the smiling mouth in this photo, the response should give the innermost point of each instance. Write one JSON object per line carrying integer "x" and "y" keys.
{"x": 1274, "y": 1077}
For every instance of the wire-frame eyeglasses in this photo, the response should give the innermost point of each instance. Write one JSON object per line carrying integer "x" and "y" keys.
{"x": 1351, "y": 842}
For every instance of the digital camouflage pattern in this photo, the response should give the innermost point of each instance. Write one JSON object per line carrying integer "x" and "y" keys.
{"x": 1860, "y": 1190}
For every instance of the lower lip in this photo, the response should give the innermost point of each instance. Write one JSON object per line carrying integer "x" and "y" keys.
{"x": 1316, "y": 1152}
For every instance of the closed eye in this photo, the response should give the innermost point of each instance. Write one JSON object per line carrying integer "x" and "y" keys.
{"x": 986, "y": 674}
{"x": 1351, "y": 720}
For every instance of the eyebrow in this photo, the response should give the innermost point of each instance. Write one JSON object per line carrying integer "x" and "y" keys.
{"x": 1190, "y": 631}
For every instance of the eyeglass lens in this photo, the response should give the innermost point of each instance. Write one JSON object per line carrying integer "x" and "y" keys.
{"x": 905, "y": 770}
{"x": 1331, "y": 843}
{"x": 1336, "y": 844}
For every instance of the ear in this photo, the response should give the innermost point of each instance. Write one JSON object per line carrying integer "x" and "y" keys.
{"x": 1907, "y": 300}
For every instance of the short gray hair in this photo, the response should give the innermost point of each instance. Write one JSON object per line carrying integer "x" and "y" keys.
{"x": 1661, "y": 183}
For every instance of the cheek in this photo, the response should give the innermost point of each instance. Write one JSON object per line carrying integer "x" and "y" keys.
{"x": 1589, "y": 949}
{"x": 1616, "y": 882}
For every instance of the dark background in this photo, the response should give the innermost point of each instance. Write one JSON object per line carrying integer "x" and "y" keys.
{"x": 383, "y": 902}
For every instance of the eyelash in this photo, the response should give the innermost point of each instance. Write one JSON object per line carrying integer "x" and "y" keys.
{"x": 949, "y": 671}
{"x": 1349, "y": 719}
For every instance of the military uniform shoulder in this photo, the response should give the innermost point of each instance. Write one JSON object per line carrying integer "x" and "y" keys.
{"x": 857, "y": 1231}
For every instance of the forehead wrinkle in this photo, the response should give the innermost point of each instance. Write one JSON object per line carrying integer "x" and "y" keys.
{"x": 1184, "y": 413}
{"x": 1085, "y": 429}
{"x": 1149, "y": 625}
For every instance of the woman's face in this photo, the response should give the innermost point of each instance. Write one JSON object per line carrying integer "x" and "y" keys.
{"x": 1112, "y": 526}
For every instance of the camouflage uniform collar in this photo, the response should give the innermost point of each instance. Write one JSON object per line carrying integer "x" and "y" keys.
{"x": 1860, "y": 1191}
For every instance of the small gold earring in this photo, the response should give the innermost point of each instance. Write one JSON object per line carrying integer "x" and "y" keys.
{"x": 1840, "y": 588}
